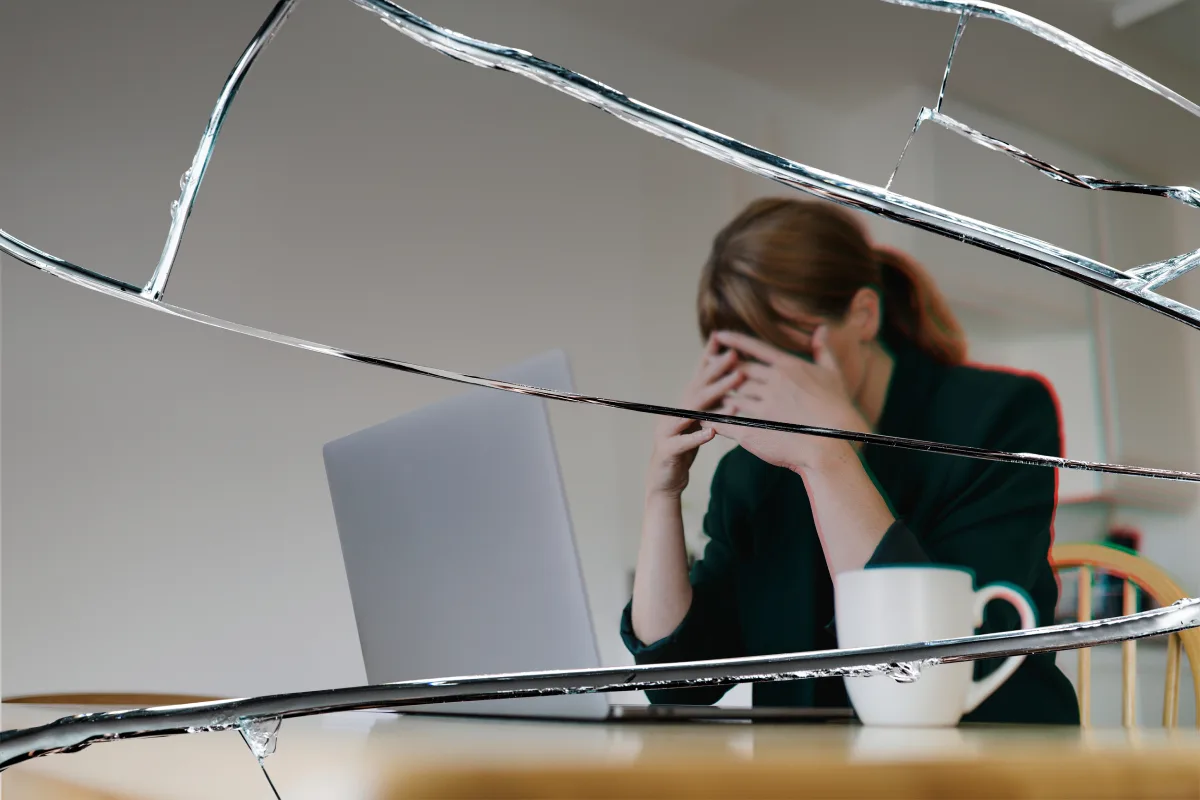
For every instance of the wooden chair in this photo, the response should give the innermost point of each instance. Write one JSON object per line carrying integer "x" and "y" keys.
{"x": 1137, "y": 572}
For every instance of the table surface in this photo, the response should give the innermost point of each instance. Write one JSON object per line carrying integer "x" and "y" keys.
{"x": 373, "y": 754}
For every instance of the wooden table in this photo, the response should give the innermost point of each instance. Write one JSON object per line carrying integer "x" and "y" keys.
{"x": 375, "y": 755}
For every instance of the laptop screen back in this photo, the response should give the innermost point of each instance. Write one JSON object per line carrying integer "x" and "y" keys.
{"x": 458, "y": 546}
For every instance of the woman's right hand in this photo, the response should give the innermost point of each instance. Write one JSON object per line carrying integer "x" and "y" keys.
{"x": 677, "y": 439}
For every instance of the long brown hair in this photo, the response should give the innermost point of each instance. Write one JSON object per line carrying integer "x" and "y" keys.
{"x": 817, "y": 255}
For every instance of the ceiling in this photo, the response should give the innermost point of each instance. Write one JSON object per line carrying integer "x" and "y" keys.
{"x": 875, "y": 47}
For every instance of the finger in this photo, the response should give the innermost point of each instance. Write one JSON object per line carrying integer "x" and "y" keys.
{"x": 712, "y": 367}
{"x": 758, "y": 373}
{"x": 725, "y": 430}
{"x": 729, "y": 432}
{"x": 748, "y": 406}
{"x": 712, "y": 346}
{"x": 726, "y": 408}
{"x": 749, "y": 391}
{"x": 822, "y": 354}
{"x": 707, "y": 395}
{"x": 750, "y": 346}
{"x": 677, "y": 425}
{"x": 718, "y": 365}
{"x": 712, "y": 349}
{"x": 689, "y": 441}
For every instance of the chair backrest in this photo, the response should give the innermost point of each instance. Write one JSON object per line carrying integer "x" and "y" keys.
{"x": 1135, "y": 572}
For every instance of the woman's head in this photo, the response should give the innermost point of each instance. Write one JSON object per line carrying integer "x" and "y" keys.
{"x": 782, "y": 267}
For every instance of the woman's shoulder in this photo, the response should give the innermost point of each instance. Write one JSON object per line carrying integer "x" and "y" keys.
{"x": 980, "y": 404}
{"x": 999, "y": 385}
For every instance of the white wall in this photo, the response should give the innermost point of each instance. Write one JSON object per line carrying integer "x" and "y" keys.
{"x": 165, "y": 500}
{"x": 1170, "y": 539}
{"x": 1173, "y": 539}
{"x": 165, "y": 510}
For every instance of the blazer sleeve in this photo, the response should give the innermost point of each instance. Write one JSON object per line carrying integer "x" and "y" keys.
{"x": 710, "y": 629}
{"x": 997, "y": 518}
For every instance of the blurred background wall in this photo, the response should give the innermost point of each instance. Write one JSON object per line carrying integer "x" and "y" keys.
{"x": 166, "y": 522}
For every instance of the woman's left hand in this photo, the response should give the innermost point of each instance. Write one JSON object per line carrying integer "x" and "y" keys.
{"x": 785, "y": 388}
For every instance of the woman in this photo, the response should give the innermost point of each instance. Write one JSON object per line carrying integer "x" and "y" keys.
{"x": 807, "y": 322}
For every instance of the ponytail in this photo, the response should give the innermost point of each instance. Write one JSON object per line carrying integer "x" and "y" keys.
{"x": 915, "y": 311}
{"x": 818, "y": 256}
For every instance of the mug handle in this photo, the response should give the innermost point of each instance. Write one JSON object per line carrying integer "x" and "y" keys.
{"x": 982, "y": 689}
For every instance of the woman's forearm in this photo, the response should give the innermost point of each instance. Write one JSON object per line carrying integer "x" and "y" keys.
{"x": 851, "y": 515}
{"x": 662, "y": 593}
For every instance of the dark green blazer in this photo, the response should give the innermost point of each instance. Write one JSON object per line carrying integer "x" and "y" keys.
{"x": 762, "y": 586}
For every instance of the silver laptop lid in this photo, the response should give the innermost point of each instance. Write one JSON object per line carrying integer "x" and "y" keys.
{"x": 458, "y": 546}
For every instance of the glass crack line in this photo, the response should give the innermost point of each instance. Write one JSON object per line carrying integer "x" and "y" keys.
{"x": 1057, "y": 37}
{"x": 819, "y": 183}
{"x": 958, "y": 32}
{"x": 1148, "y": 276}
{"x": 70, "y": 734}
{"x": 1157, "y": 273}
{"x": 829, "y": 186}
{"x": 189, "y": 184}
{"x": 1031, "y": 459}
{"x": 813, "y": 181}
{"x": 260, "y": 735}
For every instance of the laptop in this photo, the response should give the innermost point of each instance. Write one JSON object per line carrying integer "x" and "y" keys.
{"x": 460, "y": 555}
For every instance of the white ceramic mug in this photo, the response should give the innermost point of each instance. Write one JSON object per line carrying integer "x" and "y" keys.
{"x": 905, "y": 605}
